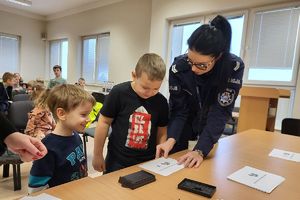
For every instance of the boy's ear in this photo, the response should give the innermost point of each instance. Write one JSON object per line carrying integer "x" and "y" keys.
{"x": 133, "y": 75}
{"x": 61, "y": 113}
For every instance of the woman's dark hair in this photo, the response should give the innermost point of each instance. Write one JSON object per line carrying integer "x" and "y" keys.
{"x": 212, "y": 39}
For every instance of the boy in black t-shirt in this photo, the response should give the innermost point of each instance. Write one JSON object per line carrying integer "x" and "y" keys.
{"x": 138, "y": 115}
{"x": 65, "y": 161}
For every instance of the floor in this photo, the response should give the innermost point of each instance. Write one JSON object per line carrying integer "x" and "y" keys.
{"x": 6, "y": 184}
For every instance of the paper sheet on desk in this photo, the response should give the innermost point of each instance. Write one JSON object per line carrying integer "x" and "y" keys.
{"x": 287, "y": 155}
{"x": 162, "y": 166}
{"x": 258, "y": 179}
{"x": 42, "y": 196}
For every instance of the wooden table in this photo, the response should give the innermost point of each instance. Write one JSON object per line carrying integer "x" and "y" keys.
{"x": 231, "y": 153}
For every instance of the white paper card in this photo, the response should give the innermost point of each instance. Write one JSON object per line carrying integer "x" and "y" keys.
{"x": 162, "y": 166}
{"x": 42, "y": 196}
{"x": 287, "y": 155}
{"x": 258, "y": 179}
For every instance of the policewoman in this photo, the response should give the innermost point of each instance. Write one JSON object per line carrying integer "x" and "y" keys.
{"x": 203, "y": 86}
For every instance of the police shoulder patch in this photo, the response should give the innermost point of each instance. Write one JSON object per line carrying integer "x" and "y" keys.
{"x": 226, "y": 98}
{"x": 237, "y": 66}
{"x": 173, "y": 69}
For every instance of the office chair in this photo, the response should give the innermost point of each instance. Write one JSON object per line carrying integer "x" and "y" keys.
{"x": 99, "y": 97}
{"x": 89, "y": 132}
{"x": 21, "y": 97}
{"x": 18, "y": 116}
{"x": 290, "y": 126}
{"x": 231, "y": 124}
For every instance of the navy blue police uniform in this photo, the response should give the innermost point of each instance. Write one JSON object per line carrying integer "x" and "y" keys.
{"x": 199, "y": 106}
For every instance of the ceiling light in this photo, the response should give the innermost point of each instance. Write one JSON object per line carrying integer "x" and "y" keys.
{"x": 21, "y": 2}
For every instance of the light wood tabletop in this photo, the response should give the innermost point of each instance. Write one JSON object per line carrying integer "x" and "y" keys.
{"x": 248, "y": 148}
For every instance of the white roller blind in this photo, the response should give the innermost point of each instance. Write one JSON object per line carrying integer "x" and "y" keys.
{"x": 274, "y": 38}
{"x": 103, "y": 47}
{"x": 9, "y": 53}
{"x": 89, "y": 59}
{"x": 59, "y": 56}
{"x": 95, "y": 58}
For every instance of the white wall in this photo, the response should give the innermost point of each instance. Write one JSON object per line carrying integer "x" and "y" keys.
{"x": 129, "y": 25}
{"x": 165, "y": 10}
{"x": 32, "y": 57}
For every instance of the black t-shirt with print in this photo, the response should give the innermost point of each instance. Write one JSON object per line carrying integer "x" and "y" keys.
{"x": 134, "y": 128}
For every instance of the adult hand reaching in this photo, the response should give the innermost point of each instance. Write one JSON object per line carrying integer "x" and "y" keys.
{"x": 27, "y": 147}
{"x": 191, "y": 159}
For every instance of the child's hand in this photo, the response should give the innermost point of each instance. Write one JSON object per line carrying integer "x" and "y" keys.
{"x": 98, "y": 163}
{"x": 164, "y": 148}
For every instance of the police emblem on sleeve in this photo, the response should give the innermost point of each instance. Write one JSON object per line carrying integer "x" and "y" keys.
{"x": 226, "y": 98}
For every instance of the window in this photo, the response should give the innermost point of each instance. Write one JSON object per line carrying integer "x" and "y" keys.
{"x": 180, "y": 33}
{"x": 95, "y": 57}
{"x": 237, "y": 26}
{"x": 59, "y": 56}
{"x": 274, "y": 46}
{"x": 9, "y": 53}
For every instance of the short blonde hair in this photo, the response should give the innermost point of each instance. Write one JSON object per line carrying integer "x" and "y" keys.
{"x": 151, "y": 64}
{"x": 7, "y": 76}
{"x": 67, "y": 97}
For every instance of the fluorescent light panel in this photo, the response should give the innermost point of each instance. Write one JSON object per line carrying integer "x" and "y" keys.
{"x": 21, "y": 2}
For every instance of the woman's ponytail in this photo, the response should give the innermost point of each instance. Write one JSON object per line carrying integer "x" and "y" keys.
{"x": 222, "y": 24}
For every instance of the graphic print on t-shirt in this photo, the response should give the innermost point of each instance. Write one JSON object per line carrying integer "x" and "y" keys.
{"x": 139, "y": 129}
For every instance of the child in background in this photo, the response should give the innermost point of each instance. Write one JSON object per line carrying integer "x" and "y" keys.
{"x": 81, "y": 82}
{"x": 58, "y": 78}
{"x": 40, "y": 120}
{"x": 138, "y": 115}
{"x": 6, "y": 88}
{"x": 65, "y": 161}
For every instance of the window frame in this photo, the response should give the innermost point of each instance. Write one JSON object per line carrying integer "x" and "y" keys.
{"x": 97, "y": 55}
{"x": 233, "y": 14}
{"x": 50, "y": 75}
{"x": 251, "y": 19}
{"x": 19, "y": 39}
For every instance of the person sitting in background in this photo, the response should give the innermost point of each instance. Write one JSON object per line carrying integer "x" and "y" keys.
{"x": 65, "y": 161}
{"x": 40, "y": 120}
{"x": 27, "y": 147}
{"x": 6, "y": 91}
{"x": 58, "y": 79}
{"x": 81, "y": 82}
{"x": 17, "y": 88}
{"x": 29, "y": 88}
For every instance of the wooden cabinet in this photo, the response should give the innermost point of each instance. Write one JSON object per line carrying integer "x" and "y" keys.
{"x": 258, "y": 107}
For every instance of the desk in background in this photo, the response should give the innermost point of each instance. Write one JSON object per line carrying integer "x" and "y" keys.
{"x": 232, "y": 153}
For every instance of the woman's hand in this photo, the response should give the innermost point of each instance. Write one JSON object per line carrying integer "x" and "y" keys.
{"x": 27, "y": 147}
{"x": 191, "y": 159}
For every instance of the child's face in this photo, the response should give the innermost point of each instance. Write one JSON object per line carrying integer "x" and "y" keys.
{"x": 76, "y": 119}
{"x": 81, "y": 83}
{"x": 11, "y": 82}
{"x": 29, "y": 89}
{"x": 144, "y": 87}
{"x": 57, "y": 72}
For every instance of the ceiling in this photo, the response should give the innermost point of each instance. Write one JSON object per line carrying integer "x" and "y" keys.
{"x": 49, "y": 8}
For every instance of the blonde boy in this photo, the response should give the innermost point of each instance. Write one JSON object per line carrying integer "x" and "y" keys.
{"x": 65, "y": 160}
{"x": 138, "y": 115}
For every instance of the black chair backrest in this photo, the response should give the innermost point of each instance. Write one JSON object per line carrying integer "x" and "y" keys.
{"x": 21, "y": 97}
{"x": 290, "y": 126}
{"x": 100, "y": 97}
{"x": 18, "y": 113}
